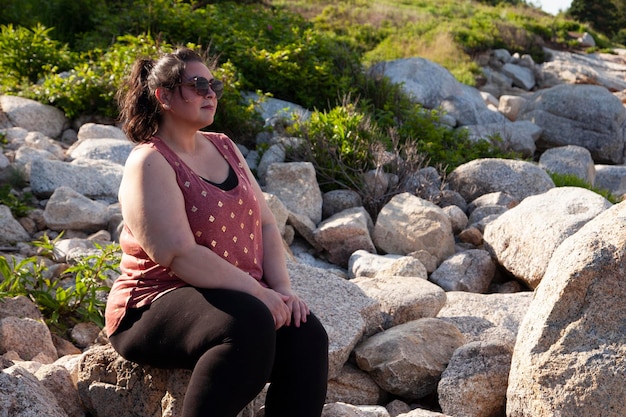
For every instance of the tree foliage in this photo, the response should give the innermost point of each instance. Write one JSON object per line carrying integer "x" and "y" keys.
{"x": 602, "y": 15}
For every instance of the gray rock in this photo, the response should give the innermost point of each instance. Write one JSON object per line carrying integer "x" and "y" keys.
{"x": 404, "y": 266}
{"x": 25, "y": 156}
{"x": 367, "y": 264}
{"x": 484, "y": 214}
{"x": 28, "y": 338}
{"x": 344, "y": 233}
{"x": 33, "y": 116}
{"x": 68, "y": 209}
{"x": 354, "y": 386}
{"x": 408, "y": 360}
{"x": 20, "y": 306}
{"x": 583, "y": 115}
{"x": 474, "y": 314}
{"x": 338, "y": 200}
{"x": 340, "y": 409}
{"x": 93, "y": 179}
{"x": 433, "y": 86}
{"x": 408, "y": 223}
{"x": 271, "y": 108}
{"x": 611, "y": 178}
{"x": 517, "y": 136}
{"x": 522, "y": 77}
{"x": 100, "y": 131}
{"x": 107, "y": 149}
{"x": 11, "y": 231}
{"x": 483, "y": 176}
{"x": 458, "y": 218}
{"x": 596, "y": 68}
{"x": 58, "y": 381}
{"x": 347, "y": 313}
{"x": 474, "y": 382}
{"x": 274, "y": 154}
{"x": 403, "y": 299}
{"x": 295, "y": 184}
{"x": 280, "y": 212}
{"x": 471, "y": 270}
{"x": 467, "y": 111}
{"x": 397, "y": 407}
{"x": 570, "y": 360}
{"x": 427, "y": 82}
{"x": 111, "y": 386}
{"x": 546, "y": 220}
{"x": 510, "y": 106}
{"x": 22, "y": 395}
{"x": 493, "y": 199}
{"x": 570, "y": 160}
{"x": 85, "y": 334}
{"x": 305, "y": 227}
{"x": 38, "y": 140}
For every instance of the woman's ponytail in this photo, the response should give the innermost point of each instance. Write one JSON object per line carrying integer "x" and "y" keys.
{"x": 139, "y": 110}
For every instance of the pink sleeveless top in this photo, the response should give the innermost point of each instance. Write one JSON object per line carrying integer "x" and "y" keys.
{"x": 227, "y": 222}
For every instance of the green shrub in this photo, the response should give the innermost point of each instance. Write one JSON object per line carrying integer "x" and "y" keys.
{"x": 89, "y": 87}
{"x": 571, "y": 180}
{"x": 279, "y": 52}
{"x": 338, "y": 142}
{"x": 386, "y": 131}
{"x": 343, "y": 144}
{"x": 77, "y": 295}
{"x": 26, "y": 55}
{"x": 441, "y": 145}
{"x": 18, "y": 203}
{"x": 69, "y": 18}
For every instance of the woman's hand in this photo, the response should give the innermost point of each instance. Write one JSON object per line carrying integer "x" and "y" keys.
{"x": 297, "y": 307}
{"x": 277, "y": 304}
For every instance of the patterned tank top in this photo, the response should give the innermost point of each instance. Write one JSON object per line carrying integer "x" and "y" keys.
{"x": 226, "y": 221}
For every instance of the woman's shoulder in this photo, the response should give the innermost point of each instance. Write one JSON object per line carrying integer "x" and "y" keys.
{"x": 144, "y": 154}
{"x": 216, "y": 137}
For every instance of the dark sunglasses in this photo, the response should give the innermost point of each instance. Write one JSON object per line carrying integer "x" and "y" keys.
{"x": 201, "y": 85}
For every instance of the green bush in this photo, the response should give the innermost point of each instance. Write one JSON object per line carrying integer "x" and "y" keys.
{"x": 339, "y": 143}
{"x": 77, "y": 295}
{"x": 385, "y": 131}
{"x": 89, "y": 87}
{"x": 440, "y": 145}
{"x": 571, "y": 180}
{"x": 18, "y": 203}
{"x": 26, "y": 55}
{"x": 279, "y": 52}
{"x": 69, "y": 18}
{"x": 343, "y": 144}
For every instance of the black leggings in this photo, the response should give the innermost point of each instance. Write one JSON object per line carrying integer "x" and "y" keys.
{"x": 228, "y": 339}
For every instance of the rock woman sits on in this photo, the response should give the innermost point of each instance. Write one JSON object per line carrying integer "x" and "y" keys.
{"x": 204, "y": 284}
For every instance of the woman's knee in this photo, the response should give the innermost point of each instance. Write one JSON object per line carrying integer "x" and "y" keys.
{"x": 251, "y": 321}
{"x": 316, "y": 335}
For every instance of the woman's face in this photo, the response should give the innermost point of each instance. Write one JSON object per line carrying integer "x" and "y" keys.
{"x": 194, "y": 101}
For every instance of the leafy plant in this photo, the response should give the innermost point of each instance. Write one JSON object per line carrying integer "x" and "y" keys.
{"x": 28, "y": 54}
{"x": 571, "y": 180}
{"x": 89, "y": 87}
{"x": 338, "y": 142}
{"x": 18, "y": 203}
{"x": 76, "y": 295}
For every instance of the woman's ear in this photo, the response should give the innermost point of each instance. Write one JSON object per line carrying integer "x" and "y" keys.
{"x": 162, "y": 95}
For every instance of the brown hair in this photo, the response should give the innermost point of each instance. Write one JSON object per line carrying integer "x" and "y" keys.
{"x": 140, "y": 112}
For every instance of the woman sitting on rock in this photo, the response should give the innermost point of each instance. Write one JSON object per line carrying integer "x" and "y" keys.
{"x": 204, "y": 284}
